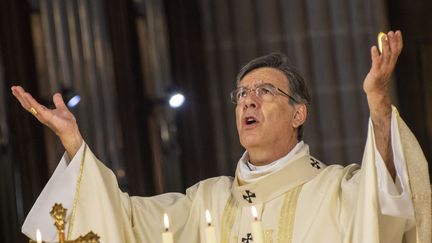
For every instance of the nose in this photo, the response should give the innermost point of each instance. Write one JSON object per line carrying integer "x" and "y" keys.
{"x": 250, "y": 101}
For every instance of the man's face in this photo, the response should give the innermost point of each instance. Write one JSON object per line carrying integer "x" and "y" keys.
{"x": 265, "y": 124}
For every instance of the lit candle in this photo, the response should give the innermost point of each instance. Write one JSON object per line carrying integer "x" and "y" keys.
{"x": 38, "y": 236}
{"x": 210, "y": 234}
{"x": 167, "y": 236}
{"x": 257, "y": 232}
{"x": 380, "y": 35}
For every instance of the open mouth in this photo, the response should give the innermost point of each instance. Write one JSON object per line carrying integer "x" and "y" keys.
{"x": 250, "y": 120}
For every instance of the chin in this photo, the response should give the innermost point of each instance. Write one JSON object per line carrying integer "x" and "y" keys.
{"x": 249, "y": 141}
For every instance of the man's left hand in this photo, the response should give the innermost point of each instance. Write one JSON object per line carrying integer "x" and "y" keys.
{"x": 376, "y": 87}
{"x": 376, "y": 82}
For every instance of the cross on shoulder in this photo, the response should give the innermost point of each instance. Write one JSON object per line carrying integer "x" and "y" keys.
{"x": 249, "y": 195}
{"x": 315, "y": 163}
{"x": 248, "y": 238}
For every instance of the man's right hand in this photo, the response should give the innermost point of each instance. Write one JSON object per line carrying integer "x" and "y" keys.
{"x": 60, "y": 120}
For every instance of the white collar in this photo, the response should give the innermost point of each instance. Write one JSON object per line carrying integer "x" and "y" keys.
{"x": 249, "y": 171}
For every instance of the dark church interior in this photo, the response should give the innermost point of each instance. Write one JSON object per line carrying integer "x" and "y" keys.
{"x": 125, "y": 58}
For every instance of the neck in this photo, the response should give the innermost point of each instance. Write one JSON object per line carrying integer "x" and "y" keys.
{"x": 259, "y": 156}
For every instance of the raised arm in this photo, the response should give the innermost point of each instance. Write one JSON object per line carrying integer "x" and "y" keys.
{"x": 60, "y": 120}
{"x": 376, "y": 87}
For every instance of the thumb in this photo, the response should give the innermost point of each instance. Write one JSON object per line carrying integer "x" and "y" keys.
{"x": 375, "y": 56}
{"x": 374, "y": 53}
{"x": 58, "y": 101}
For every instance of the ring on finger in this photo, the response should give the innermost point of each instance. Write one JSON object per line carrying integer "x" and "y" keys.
{"x": 33, "y": 111}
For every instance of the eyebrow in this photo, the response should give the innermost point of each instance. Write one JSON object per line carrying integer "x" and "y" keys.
{"x": 259, "y": 84}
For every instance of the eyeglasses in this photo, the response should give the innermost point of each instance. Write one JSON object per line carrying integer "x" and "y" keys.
{"x": 265, "y": 91}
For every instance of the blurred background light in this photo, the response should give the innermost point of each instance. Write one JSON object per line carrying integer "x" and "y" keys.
{"x": 72, "y": 102}
{"x": 176, "y": 100}
{"x": 70, "y": 97}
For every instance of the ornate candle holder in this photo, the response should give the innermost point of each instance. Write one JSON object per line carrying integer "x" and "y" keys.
{"x": 58, "y": 213}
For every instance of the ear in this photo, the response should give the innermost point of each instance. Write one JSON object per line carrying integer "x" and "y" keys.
{"x": 300, "y": 115}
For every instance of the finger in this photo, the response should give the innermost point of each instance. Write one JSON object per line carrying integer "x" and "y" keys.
{"x": 29, "y": 103}
{"x": 39, "y": 108}
{"x": 396, "y": 47}
{"x": 394, "y": 44}
{"x": 375, "y": 56}
{"x": 18, "y": 92}
{"x": 399, "y": 41}
{"x": 42, "y": 113}
{"x": 385, "y": 55}
{"x": 392, "y": 39}
{"x": 58, "y": 101}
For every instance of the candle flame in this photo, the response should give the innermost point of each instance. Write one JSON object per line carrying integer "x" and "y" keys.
{"x": 254, "y": 212}
{"x": 380, "y": 36}
{"x": 166, "y": 221}
{"x": 38, "y": 236}
{"x": 208, "y": 216}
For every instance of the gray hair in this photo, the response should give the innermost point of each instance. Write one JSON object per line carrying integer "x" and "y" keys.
{"x": 296, "y": 84}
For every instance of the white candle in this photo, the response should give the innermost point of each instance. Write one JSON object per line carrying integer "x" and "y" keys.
{"x": 167, "y": 236}
{"x": 210, "y": 234}
{"x": 257, "y": 232}
{"x": 38, "y": 236}
{"x": 380, "y": 35}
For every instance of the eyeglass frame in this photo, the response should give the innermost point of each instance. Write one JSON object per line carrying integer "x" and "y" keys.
{"x": 233, "y": 94}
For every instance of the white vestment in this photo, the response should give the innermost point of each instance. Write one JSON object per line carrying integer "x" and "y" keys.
{"x": 302, "y": 200}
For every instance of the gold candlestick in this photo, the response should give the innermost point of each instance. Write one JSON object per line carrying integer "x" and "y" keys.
{"x": 58, "y": 213}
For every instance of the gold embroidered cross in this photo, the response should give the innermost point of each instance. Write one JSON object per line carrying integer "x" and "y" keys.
{"x": 58, "y": 213}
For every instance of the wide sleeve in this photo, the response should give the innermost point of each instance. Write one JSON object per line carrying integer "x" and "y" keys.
{"x": 95, "y": 203}
{"x": 371, "y": 202}
{"x": 100, "y": 206}
{"x": 59, "y": 189}
{"x": 394, "y": 196}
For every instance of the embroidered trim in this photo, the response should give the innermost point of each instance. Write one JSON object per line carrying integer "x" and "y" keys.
{"x": 228, "y": 218}
{"x": 287, "y": 217}
{"x": 77, "y": 189}
{"x": 268, "y": 236}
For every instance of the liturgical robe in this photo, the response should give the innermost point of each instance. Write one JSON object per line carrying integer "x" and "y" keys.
{"x": 303, "y": 201}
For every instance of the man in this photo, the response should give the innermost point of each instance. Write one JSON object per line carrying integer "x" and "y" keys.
{"x": 299, "y": 199}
